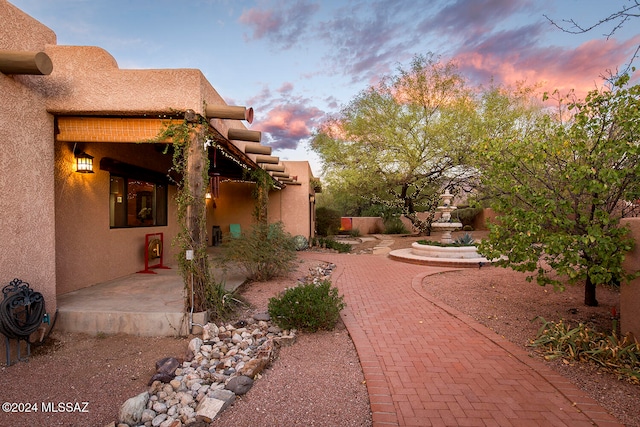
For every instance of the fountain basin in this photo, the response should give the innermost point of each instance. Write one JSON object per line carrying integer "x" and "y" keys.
{"x": 440, "y": 256}
{"x": 445, "y": 251}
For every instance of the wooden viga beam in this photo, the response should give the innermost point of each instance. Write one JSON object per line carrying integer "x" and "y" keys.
{"x": 267, "y": 159}
{"x": 18, "y": 62}
{"x": 253, "y": 148}
{"x": 229, "y": 112}
{"x": 244, "y": 134}
{"x": 289, "y": 181}
{"x": 279, "y": 175}
{"x": 272, "y": 168}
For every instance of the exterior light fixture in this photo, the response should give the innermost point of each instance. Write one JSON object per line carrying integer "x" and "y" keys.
{"x": 84, "y": 163}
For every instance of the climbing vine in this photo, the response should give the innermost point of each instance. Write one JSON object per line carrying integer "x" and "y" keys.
{"x": 188, "y": 139}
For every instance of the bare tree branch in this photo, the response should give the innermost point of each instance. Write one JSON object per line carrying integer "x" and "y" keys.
{"x": 619, "y": 18}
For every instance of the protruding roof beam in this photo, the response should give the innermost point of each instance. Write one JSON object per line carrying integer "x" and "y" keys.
{"x": 270, "y": 167}
{"x": 229, "y": 112}
{"x": 267, "y": 159}
{"x": 244, "y": 134}
{"x": 253, "y": 148}
{"x": 18, "y": 62}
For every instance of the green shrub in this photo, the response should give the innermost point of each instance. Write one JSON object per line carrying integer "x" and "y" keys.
{"x": 466, "y": 215}
{"x": 393, "y": 225}
{"x": 329, "y": 243}
{"x": 354, "y": 232}
{"x": 327, "y": 221}
{"x": 308, "y": 307}
{"x": 265, "y": 252}
{"x": 222, "y": 304}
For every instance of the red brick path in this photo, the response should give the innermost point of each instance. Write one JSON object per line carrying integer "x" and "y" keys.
{"x": 427, "y": 364}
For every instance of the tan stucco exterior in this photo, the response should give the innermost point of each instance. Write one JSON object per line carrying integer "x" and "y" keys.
{"x": 630, "y": 292}
{"x": 55, "y": 229}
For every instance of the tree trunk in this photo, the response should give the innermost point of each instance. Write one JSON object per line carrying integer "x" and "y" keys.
{"x": 590, "y": 293}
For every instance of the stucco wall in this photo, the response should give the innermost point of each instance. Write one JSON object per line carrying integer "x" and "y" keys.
{"x": 27, "y": 234}
{"x": 234, "y": 206}
{"x": 292, "y": 205}
{"x": 630, "y": 292}
{"x": 88, "y": 251}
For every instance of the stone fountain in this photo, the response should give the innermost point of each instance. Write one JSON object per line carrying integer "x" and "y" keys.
{"x": 444, "y": 224}
{"x": 453, "y": 256}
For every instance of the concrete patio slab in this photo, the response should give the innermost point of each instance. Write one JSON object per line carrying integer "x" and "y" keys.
{"x": 137, "y": 304}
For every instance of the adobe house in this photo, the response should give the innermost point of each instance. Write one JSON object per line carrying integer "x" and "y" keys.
{"x": 64, "y": 109}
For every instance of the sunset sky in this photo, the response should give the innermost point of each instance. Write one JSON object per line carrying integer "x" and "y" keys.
{"x": 295, "y": 61}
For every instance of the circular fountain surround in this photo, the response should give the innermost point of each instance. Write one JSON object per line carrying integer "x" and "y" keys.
{"x": 455, "y": 252}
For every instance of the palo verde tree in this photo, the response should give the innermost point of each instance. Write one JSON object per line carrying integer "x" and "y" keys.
{"x": 560, "y": 186}
{"x": 400, "y": 142}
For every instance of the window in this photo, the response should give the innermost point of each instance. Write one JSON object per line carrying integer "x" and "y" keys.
{"x": 137, "y": 203}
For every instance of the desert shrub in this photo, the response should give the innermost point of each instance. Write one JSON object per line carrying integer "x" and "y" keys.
{"x": 329, "y": 243}
{"x": 265, "y": 252}
{"x": 354, "y": 232}
{"x": 559, "y": 340}
{"x": 327, "y": 221}
{"x": 308, "y": 307}
{"x": 222, "y": 304}
{"x": 393, "y": 225}
{"x": 466, "y": 216}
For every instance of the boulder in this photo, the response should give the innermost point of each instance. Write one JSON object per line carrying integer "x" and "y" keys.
{"x": 239, "y": 385}
{"x": 131, "y": 410}
{"x": 208, "y": 409}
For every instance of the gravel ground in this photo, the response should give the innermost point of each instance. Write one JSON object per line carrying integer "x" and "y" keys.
{"x": 318, "y": 381}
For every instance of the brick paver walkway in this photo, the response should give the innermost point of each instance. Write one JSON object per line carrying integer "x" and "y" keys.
{"x": 427, "y": 364}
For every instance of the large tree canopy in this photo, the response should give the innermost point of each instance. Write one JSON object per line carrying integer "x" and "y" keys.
{"x": 560, "y": 188}
{"x": 400, "y": 142}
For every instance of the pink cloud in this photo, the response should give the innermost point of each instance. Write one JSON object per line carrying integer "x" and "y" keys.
{"x": 287, "y": 124}
{"x": 262, "y": 21}
{"x": 559, "y": 68}
{"x": 286, "y": 88}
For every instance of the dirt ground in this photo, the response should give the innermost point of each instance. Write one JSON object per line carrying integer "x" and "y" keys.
{"x": 317, "y": 381}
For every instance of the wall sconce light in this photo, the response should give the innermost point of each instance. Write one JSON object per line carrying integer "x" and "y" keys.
{"x": 207, "y": 195}
{"x": 312, "y": 198}
{"x": 84, "y": 163}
